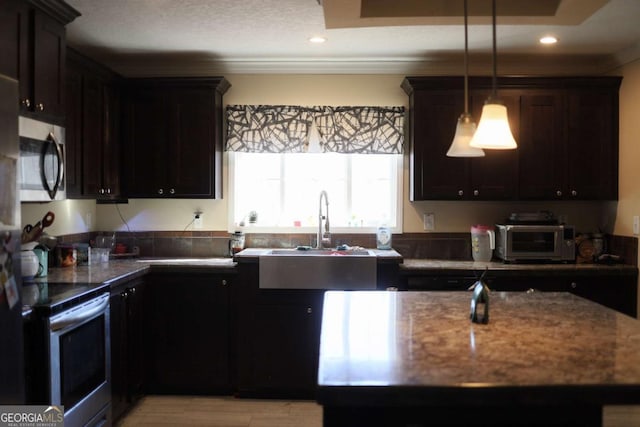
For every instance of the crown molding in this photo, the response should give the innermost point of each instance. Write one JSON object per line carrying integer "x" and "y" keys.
{"x": 507, "y": 65}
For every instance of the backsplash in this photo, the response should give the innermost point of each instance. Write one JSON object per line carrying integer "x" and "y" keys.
{"x": 449, "y": 246}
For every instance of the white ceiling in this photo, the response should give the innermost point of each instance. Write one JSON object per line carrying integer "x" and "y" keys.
{"x": 189, "y": 37}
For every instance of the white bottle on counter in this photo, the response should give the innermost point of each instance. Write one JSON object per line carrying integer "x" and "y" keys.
{"x": 383, "y": 237}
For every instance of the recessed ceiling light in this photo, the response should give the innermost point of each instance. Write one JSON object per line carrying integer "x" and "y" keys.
{"x": 317, "y": 39}
{"x": 548, "y": 40}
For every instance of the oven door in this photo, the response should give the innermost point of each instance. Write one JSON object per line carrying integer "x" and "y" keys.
{"x": 532, "y": 242}
{"x": 80, "y": 362}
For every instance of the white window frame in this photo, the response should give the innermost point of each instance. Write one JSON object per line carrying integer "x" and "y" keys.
{"x": 257, "y": 228}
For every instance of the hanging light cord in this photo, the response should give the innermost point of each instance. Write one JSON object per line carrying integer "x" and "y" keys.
{"x": 494, "y": 81}
{"x": 466, "y": 62}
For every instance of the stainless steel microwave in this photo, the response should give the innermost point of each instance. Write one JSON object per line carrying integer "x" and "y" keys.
{"x": 522, "y": 243}
{"x": 41, "y": 175}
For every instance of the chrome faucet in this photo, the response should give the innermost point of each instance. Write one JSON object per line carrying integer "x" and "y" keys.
{"x": 323, "y": 239}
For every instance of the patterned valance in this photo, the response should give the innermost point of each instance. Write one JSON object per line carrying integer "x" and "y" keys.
{"x": 267, "y": 128}
{"x": 286, "y": 129}
{"x": 362, "y": 130}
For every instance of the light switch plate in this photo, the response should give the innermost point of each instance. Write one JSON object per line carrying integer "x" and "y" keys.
{"x": 636, "y": 225}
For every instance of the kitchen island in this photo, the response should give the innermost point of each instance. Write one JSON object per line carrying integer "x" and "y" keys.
{"x": 414, "y": 358}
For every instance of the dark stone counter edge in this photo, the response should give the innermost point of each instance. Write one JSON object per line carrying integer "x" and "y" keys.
{"x": 532, "y": 270}
{"x": 393, "y": 396}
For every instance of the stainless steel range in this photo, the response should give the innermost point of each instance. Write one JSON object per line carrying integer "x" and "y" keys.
{"x": 74, "y": 358}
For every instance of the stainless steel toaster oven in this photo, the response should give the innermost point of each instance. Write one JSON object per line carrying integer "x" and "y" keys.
{"x": 522, "y": 243}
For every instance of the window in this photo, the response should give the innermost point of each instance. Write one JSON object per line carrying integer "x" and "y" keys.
{"x": 284, "y": 188}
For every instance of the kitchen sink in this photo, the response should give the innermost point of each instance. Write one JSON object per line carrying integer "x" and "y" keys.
{"x": 318, "y": 269}
{"x": 320, "y": 252}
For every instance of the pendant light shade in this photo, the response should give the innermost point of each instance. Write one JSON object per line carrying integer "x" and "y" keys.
{"x": 466, "y": 127}
{"x": 493, "y": 130}
{"x": 465, "y": 130}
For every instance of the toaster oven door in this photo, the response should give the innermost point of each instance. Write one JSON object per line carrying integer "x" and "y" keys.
{"x": 533, "y": 242}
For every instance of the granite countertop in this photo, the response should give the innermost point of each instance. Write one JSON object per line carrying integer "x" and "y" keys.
{"x": 390, "y": 347}
{"x": 63, "y": 286}
{"x": 116, "y": 271}
{"x": 410, "y": 266}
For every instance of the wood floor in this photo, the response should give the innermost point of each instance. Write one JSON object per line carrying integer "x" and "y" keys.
{"x": 222, "y": 411}
{"x": 232, "y": 412}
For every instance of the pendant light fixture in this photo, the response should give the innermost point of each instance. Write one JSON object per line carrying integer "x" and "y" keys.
{"x": 493, "y": 130}
{"x": 466, "y": 127}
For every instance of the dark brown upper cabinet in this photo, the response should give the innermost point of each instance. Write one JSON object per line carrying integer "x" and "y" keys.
{"x": 566, "y": 129}
{"x": 33, "y": 42}
{"x": 435, "y": 105}
{"x": 592, "y": 140}
{"x": 92, "y": 130}
{"x": 173, "y": 137}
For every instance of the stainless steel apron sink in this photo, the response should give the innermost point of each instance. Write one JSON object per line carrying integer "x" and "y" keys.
{"x": 318, "y": 269}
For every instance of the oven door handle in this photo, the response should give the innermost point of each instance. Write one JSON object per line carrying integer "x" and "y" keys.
{"x": 60, "y": 156}
{"x": 79, "y": 314}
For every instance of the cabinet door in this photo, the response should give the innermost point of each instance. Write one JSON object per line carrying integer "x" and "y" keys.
{"x": 48, "y": 66}
{"x": 92, "y": 135}
{"x": 593, "y": 144}
{"x": 14, "y": 18}
{"x": 188, "y": 338}
{"x": 616, "y": 292}
{"x": 285, "y": 347}
{"x": 146, "y": 143}
{"x": 541, "y": 148}
{"x": 119, "y": 354}
{"x": 73, "y": 132}
{"x": 136, "y": 331}
{"x": 192, "y": 150}
{"x": 111, "y": 151}
{"x": 434, "y": 175}
{"x": 92, "y": 130}
{"x": 493, "y": 177}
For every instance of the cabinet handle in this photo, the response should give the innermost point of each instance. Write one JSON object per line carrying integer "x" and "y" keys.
{"x": 559, "y": 193}
{"x": 172, "y": 191}
{"x": 476, "y": 193}
{"x": 108, "y": 191}
{"x": 224, "y": 282}
{"x": 124, "y": 295}
{"x": 574, "y": 285}
{"x": 26, "y": 102}
{"x": 101, "y": 191}
{"x": 132, "y": 291}
{"x": 40, "y": 106}
{"x": 160, "y": 191}
{"x": 309, "y": 310}
{"x": 460, "y": 193}
{"x": 574, "y": 193}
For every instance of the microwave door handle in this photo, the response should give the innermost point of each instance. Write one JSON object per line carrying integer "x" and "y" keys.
{"x": 60, "y": 157}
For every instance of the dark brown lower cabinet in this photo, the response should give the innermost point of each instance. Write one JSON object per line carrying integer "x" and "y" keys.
{"x": 278, "y": 338}
{"x": 187, "y": 338}
{"x": 286, "y": 340}
{"x": 127, "y": 321}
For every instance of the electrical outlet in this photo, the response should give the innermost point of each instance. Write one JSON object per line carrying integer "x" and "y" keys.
{"x": 636, "y": 225}
{"x": 197, "y": 220}
{"x": 429, "y": 220}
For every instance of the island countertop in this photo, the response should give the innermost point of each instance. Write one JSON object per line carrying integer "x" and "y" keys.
{"x": 413, "y": 266}
{"x": 407, "y": 348}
